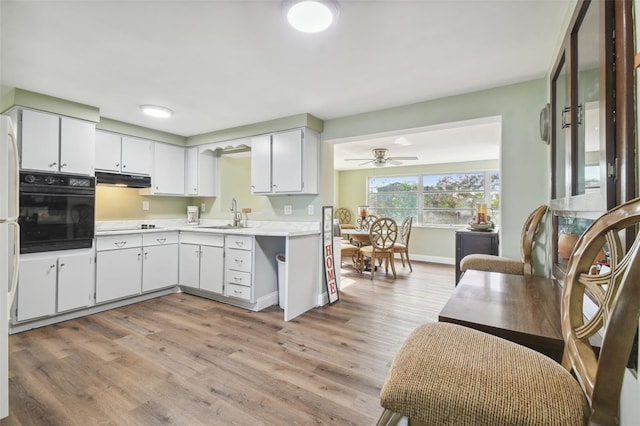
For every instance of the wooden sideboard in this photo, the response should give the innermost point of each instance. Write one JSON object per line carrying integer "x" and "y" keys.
{"x": 472, "y": 242}
{"x": 522, "y": 309}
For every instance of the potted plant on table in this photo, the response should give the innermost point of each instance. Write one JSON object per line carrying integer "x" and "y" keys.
{"x": 569, "y": 230}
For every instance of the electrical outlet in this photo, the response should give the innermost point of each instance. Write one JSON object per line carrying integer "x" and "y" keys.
{"x": 310, "y": 209}
{"x": 203, "y": 207}
{"x": 145, "y": 205}
{"x": 288, "y": 209}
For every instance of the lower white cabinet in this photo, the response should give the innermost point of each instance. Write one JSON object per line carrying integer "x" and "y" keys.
{"x": 54, "y": 282}
{"x": 202, "y": 261}
{"x": 118, "y": 266}
{"x": 160, "y": 260}
{"x": 239, "y": 266}
{"x": 129, "y": 264}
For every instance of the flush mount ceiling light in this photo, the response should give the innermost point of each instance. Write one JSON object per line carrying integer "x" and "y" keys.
{"x": 156, "y": 111}
{"x": 310, "y": 16}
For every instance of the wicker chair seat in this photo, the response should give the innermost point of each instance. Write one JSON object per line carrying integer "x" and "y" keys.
{"x": 446, "y": 374}
{"x": 487, "y": 262}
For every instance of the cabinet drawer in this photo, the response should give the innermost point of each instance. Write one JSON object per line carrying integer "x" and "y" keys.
{"x": 159, "y": 238}
{"x": 238, "y": 260}
{"x": 202, "y": 238}
{"x": 239, "y": 242}
{"x": 238, "y": 291}
{"x": 238, "y": 277}
{"x": 115, "y": 242}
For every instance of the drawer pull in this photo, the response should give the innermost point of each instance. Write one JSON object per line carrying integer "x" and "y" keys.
{"x": 240, "y": 243}
{"x": 161, "y": 240}
{"x": 237, "y": 279}
{"x": 237, "y": 292}
{"x": 120, "y": 243}
{"x": 238, "y": 262}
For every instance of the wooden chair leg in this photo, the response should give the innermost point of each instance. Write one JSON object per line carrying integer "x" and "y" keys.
{"x": 388, "y": 418}
{"x": 409, "y": 262}
{"x": 402, "y": 258}
{"x": 393, "y": 266}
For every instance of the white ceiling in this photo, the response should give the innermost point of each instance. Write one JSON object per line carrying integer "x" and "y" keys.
{"x": 222, "y": 64}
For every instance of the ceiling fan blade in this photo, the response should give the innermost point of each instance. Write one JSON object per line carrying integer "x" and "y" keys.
{"x": 402, "y": 158}
{"x": 357, "y": 159}
{"x": 366, "y": 162}
{"x": 393, "y": 161}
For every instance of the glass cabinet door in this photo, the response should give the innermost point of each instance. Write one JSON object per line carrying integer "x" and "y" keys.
{"x": 561, "y": 131}
{"x": 588, "y": 149}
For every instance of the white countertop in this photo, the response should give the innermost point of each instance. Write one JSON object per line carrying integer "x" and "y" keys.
{"x": 260, "y": 228}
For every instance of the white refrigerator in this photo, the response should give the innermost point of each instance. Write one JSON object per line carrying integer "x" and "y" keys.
{"x": 9, "y": 247}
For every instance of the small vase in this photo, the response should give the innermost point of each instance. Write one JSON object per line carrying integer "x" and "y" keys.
{"x": 566, "y": 243}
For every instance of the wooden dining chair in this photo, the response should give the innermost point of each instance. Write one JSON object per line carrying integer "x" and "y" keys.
{"x": 450, "y": 374}
{"x": 490, "y": 263}
{"x": 382, "y": 236}
{"x": 364, "y": 224}
{"x": 402, "y": 247}
{"x": 343, "y": 215}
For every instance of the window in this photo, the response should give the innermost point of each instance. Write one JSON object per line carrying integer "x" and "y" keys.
{"x": 442, "y": 199}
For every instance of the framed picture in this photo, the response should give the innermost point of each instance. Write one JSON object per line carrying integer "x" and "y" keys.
{"x": 327, "y": 251}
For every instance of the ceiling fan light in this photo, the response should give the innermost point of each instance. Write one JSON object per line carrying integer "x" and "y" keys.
{"x": 379, "y": 163}
{"x": 311, "y": 16}
{"x": 156, "y": 111}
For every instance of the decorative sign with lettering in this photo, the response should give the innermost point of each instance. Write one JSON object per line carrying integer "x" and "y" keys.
{"x": 327, "y": 244}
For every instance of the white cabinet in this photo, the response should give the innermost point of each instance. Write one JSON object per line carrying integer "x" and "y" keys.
{"x": 202, "y": 261}
{"x": 56, "y": 144}
{"x": 168, "y": 170}
{"x": 160, "y": 260}
{"x": 201, "y": 172}
{"x": 122, "y": 154}
{"x": 118, "y": 267}
{"x": 285, "y": 162}
{"x": 239, "y": 266}
{"x": 54, "y": 282}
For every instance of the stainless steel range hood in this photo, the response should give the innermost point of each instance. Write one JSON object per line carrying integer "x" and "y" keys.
{"x": 123, "y": 180}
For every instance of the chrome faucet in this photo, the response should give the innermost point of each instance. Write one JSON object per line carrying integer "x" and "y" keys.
{"x": 237, "y": 217}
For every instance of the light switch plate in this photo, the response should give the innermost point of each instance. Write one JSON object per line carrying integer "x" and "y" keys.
{"x": 288, "y": 209}
{"x": 145, "y": 205}
{"x": 310, "y": 209}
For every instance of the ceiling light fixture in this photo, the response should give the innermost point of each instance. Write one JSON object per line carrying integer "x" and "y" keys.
{"x": 311, "y": 16}
{"x": 156, "y": 111}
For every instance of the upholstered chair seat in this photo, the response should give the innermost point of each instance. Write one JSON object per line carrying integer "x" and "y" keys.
{"x": 447, "y": 374}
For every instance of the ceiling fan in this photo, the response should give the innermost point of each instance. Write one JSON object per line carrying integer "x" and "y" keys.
{"x": 380, "y": 159}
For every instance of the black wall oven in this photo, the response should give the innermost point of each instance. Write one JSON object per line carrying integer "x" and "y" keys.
{"x": 57, "y": 212}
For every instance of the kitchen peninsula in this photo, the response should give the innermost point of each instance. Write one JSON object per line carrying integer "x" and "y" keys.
{"x": 237, "y": 266}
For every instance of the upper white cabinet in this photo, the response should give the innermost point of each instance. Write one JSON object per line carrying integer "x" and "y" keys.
{"x": 285, "y": 162}
{"x": 56, "y": 144}
{"x": 122, "y": 154}
{"x": 168, "y": 170}
{"x": 201, "y": 172}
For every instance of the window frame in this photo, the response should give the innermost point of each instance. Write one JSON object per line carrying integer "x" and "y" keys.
{"x": 420, "y": 209}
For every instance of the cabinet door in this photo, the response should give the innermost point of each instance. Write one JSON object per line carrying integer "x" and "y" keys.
{"x": 168, "y": 169}
{"x": 118, "y": 274}
{"x": 212, "y": 269}
{"x": 261, "y": 164}
{"x": 40, "y": 136}
{"x": 190, "y": 265}
{"x": 191, "y": 171}
{"x": 108, "y": 151}
{"x": 159, "y": 268}
{"x": 207, "y": 173}
{"x": 286, "y": 161}
{"x": 136, "y": 155}
{"x": 77, "y": 146}
{"x": 36, "y": 287}
{"x": 75, "y": 281}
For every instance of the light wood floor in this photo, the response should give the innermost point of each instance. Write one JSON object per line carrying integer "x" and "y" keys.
{"x": 180, "y": 359}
